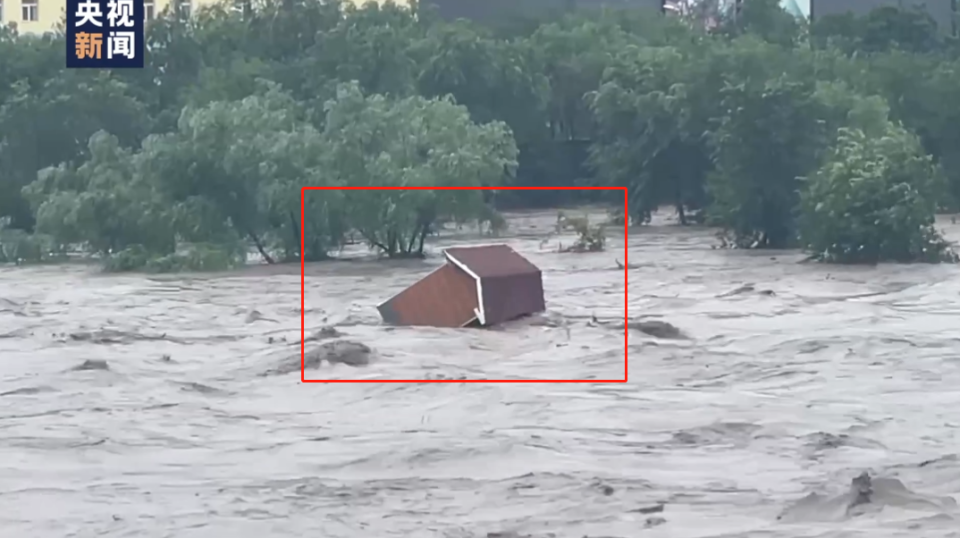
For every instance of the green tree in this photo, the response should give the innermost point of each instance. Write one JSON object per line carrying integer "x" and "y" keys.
{"x": 245, "y": 162}
{"x": 373, "y": 45}
{"x": 921, "y": 93}
{"x": 764, "y": 19}
{"x": 770, "y": 134}
{"x": 374, "y": 141}
{"x": 882, "y": 30}
{"x": 574, "y": 51}
{"x": 48, "y": 124}
{"x": 651, "y": 117}
{"x": 103, "y": 203}
{"x": 494, "y": 79}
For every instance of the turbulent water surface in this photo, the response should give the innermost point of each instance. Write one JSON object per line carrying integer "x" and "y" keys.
{"x": 792, "y": 381}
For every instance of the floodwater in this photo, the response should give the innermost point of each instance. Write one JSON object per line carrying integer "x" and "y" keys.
{"x": 755, "y": 425}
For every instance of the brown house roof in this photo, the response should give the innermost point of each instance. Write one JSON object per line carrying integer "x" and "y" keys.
{"x": 485, "y": 285}
{"x": 491, "y": 261}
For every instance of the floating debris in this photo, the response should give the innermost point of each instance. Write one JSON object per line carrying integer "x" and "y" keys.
{"x": 484, "y": 286}
{"x": 325, "y": 333}
{"x": 658, "y": 329}
{"x": 346, "y": 352}
{"x": 91, "y": 364}
{"x": 255, "y": 316}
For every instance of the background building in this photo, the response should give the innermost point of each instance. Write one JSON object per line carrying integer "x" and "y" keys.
{"x": 799, "y": 8}
{"x": 481, "y": 10}
{"x": 38, "y": 16}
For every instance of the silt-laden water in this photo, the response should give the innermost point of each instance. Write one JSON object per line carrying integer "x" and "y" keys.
{"x": 795, "y": 379}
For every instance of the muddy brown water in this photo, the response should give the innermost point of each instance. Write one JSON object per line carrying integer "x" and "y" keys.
{"x": 796, "y": 378}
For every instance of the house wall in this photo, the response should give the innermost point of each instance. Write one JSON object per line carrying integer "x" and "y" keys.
{"x": 446, "y": 297}
{"x": 510, "y": 284}
{"x": 508, "y": 297}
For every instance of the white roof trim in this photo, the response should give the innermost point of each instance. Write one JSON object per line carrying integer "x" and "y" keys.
{"x": 481, "y": 315}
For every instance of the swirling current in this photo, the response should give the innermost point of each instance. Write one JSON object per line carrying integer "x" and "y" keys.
{"x": 802, "y": 400}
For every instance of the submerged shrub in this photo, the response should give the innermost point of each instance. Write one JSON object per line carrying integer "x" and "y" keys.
{"x": 191, "y": 258}
{"x": 589, "y": 238}
{"x": 23, "y": 248}
{"x": 874, "y": 199}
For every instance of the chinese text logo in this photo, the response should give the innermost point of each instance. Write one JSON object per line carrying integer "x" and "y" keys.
{"x": 105, "y": 33}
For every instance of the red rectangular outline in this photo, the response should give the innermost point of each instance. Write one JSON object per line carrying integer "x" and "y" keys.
{"x": 626, "y": 316}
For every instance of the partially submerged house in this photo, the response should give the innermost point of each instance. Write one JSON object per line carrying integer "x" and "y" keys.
{"x": 477, "y": 286}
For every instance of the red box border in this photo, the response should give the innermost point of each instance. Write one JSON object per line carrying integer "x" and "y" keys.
{"x": 626, "y": 315}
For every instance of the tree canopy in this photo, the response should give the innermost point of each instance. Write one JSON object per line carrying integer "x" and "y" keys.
{"x": 841, "y": 136}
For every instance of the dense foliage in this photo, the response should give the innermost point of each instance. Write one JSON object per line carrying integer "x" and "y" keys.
{"x": 842, "y": 137}
{"x": 873, "y": 199}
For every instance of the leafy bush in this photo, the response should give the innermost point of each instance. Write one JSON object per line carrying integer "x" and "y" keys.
{"x": 874, "y": 199}
{"x": 19, "y": 247}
